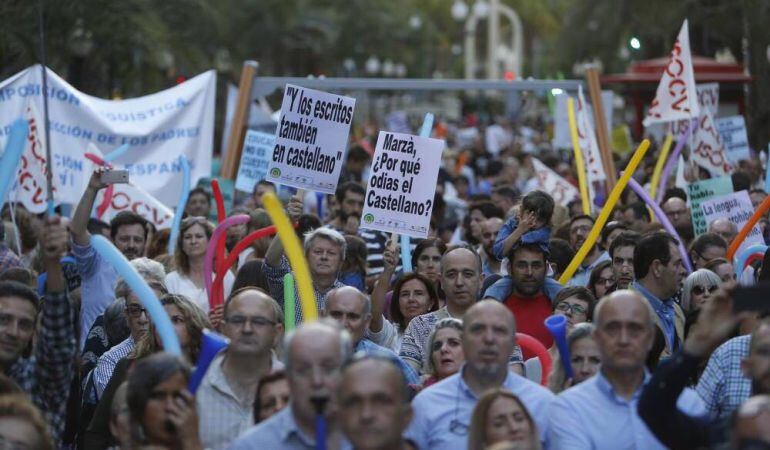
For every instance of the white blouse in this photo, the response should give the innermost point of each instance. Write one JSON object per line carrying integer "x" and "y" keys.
{"x": 182, "y": 285}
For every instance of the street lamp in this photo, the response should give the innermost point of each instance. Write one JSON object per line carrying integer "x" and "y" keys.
{"x": 635, "y": 43}
{"x": 481, "y": 9}
{"x": 459, "y": 10}
{"x": 372, "y": 65}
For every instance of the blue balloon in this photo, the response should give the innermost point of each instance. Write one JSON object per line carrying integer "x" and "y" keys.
{"x": 212, "y": 343}
{"x": 115, "y": 154}
{"x": 180, "y": 206}
{"x": 142, "y": 290}
{"x": 557, "y": 325}
{"x": 14, "y": 147}
{"x": 740, "y": 260}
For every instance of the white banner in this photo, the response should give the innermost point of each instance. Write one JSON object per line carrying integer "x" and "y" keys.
{"x": 708, "y": 151}
{"x": 402, "y": 185}
{"x": 708, "y": 99}
{"x": 159, "y": 128}
{"x": 255, "y": 159}
{"x": 732, "y": 133}
{"x": 311, "y": 139}
{"x": 588, "y": 144}
{"x": 737, "y": 208}
{"x": 562, "y": 191}
{"x": 676, "y": 97}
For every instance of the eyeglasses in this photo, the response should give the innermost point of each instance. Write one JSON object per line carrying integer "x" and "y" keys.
{"x": 700, "y": 290}
{"x": 574, "y": 309}
{"x": 135, "y": 311}
{"x": 256, "y": 321}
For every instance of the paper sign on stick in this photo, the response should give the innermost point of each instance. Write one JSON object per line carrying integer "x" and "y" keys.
{"x": 737, "y": 208}
{"x": 588, "y": 144}
{"x": 562, "y": 191}
{"x": 732, "y": 133}
{"x": 128, "y": 197}
{"x": 701, "y": 191}
{"x": 311, "y": 139}
{"x": 255, "y": 159}
{"x": 676, "y": 97}
{"x": 402, "y": 185}
{"x": 708, "y": 151}
{"x": 708, "y": 100}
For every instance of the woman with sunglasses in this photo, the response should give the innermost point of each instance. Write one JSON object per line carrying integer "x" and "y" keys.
{"x": 698, "y": 287}
{"x": 187, "y": 279}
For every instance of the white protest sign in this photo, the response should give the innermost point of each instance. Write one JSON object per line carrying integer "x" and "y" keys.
{"x": 255, "y": 159}
{"x": 587, "y": 140}
{"x": 708, "y": 151}
{"x": 737, "y": 208}
{"x": 676, "y": 97}
{"x": 708, "y": 99}
{"x": 402, "y": 185}
{"x": 732, "y": 133}
{"x": 562, "y": 191}
{"x": 159, "y": 128}
{"x": 129, "y": 197}
{"x": 311, "y": 139}
{"x": 31, "y": 185}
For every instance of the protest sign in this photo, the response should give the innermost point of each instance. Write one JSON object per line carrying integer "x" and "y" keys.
{"x": 255, "y": 159}
{"x": 561, "y": 133}
{"x": 676, "y": 97}
{"x": 402, "y": 185}
{"x": 708, "y": 100}
{"x": 732, "y": 133}
{"x": 311, "y": 139}
{"x": 708, "y": 151}
{"x": 737, "y": 208}
{"x": 159, "y": 129}
{"x": 130, "y": 197}
{"x": 587, "y": 140}
{"x": 562, "y": 191}
{"x": 701, "y": 191}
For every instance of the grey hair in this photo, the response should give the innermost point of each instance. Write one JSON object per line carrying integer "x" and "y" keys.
{"x": 330, "y": 234}
{"x": 697, "y": 278}
{"x": 151, "y": 271}
{"x": 449, "y": 322}
{"x": 346, "y": 341}
{"x": 580, "y": 331}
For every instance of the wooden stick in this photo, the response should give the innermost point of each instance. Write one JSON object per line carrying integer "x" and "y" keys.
{"x": 240, "y": 120}
{"x": 595, "y": 90}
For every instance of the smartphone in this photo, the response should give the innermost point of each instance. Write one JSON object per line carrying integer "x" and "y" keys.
{"x": 115, "y": 177}
{"x": 752, "y": 298}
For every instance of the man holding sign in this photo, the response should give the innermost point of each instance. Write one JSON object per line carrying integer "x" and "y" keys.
{"x": 402, "y": 185}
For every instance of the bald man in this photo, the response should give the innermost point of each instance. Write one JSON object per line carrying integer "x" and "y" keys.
{"x": 352, "y": 310}
{"x": 374, "y": 405}
{"x": 601, "y": 413}
{"x": 724, "y": 228}
{"x": 442, "y": 413}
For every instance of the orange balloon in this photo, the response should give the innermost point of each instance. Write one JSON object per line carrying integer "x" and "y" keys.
{"x": 761, "y": 210}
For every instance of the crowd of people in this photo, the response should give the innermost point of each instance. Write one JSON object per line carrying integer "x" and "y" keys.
{"x": 433, "y": 358}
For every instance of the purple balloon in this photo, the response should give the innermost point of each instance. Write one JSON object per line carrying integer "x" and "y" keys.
{"x": 673, "y": 158}
{"x": 663, "y": 219}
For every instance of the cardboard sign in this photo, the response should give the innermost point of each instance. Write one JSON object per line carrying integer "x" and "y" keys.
{"x": 708, "y": 151}
{"x": 703, "y": 190}
{"x": 732, "y": 132}
{"x": 255, "y": 159}
{"x": 562, "y": 191}
{"x": 311, "y": 139}
{"x": 402, "y": 185}
{"x": 159, "y": 128}
{"x": 737, "y": 208}
{"x": 676, "y": 97}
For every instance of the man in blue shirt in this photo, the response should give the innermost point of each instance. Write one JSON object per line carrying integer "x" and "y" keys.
{"x": 601, "y": 412}
{"x": 353, "y": 311}
{"x": 442, "y": 412}
{"x": 128, "y": 231}
{"x": 659, "y": 272}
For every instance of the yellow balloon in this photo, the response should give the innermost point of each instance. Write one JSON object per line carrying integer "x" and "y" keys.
{"x": 605, "y": 213}
{"x": 294, "y": 253}
{"x": 662, "y": 158}
{"x": 581, "y": 165}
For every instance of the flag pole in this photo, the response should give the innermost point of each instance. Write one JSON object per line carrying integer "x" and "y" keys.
{"x": 46, "y": 122}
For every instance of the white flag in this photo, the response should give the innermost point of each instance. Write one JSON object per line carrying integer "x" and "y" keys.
{"x": 676, "y": 97}
{"x": 708, "y": 151}
{"x": 562, "y": 191}
{"x": 32, "y": 189}
{"x": 588, "y": 144}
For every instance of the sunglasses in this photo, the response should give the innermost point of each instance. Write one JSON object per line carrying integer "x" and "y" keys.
{"x": 700, "y": 290}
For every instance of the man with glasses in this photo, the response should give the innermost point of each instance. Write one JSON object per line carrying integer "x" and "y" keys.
{"x": 725, "y": 228}
{"x": 659, "y": 273}
{"x": 253, "y": 322}
{"x": 579, "y": 228}
{"x": 679, "y": 215}
{"x": 442, "y": 413}
{"x": 128, "y": 232}
{"x": 601, "y": 412}
{"x": 315, "y": 353}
